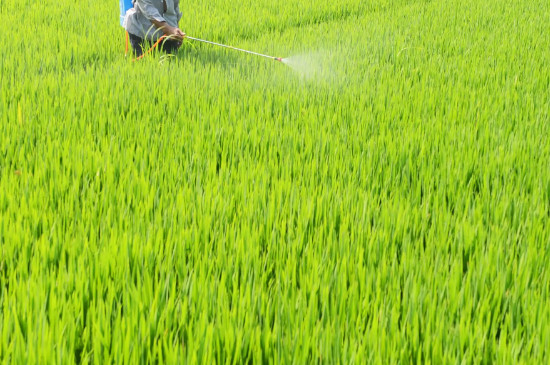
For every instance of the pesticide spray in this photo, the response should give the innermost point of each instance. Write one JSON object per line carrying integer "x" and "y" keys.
{"x": 313, "y": 65}
{"x": 309, "y": 65}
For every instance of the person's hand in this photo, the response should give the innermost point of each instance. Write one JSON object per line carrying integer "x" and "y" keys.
{"x": 180, "y": 33}
{"x": 174, "y": 33}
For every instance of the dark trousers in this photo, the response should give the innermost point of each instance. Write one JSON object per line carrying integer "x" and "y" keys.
{"x": 167, "y": 45}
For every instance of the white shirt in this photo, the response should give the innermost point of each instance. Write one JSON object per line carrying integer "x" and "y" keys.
{"x": 138, "y": 19}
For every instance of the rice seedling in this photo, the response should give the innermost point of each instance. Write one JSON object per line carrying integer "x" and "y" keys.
{"x": 386, "y": 200}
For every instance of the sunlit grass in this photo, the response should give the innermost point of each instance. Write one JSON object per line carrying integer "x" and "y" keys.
{"x": 391, "y": 207}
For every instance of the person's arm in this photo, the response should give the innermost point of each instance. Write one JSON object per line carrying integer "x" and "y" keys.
{"x": 148, "y": 9}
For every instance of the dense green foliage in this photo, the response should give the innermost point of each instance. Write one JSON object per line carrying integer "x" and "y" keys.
{"x": 394, "y": 208}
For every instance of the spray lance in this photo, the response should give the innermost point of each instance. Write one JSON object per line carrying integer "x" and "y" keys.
{"x": 126, "y": 5}
{"x": 236, "y": 49}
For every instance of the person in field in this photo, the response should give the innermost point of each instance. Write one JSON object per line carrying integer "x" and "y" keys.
{"x": 149, "y": 20}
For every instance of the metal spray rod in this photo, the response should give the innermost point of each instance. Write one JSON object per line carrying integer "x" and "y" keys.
{"x": 236, "y": 49}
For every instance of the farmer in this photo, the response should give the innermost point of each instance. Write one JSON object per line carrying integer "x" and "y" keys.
{"x": 149, "y": 20}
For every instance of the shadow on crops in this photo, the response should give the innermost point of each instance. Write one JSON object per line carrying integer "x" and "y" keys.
{"x": 208, "y": 55}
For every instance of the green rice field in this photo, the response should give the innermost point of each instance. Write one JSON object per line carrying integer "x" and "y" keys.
{"x": 382, "y": 198}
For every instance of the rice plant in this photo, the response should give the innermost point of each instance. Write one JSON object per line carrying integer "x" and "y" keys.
{"x": 384, "y": 200}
